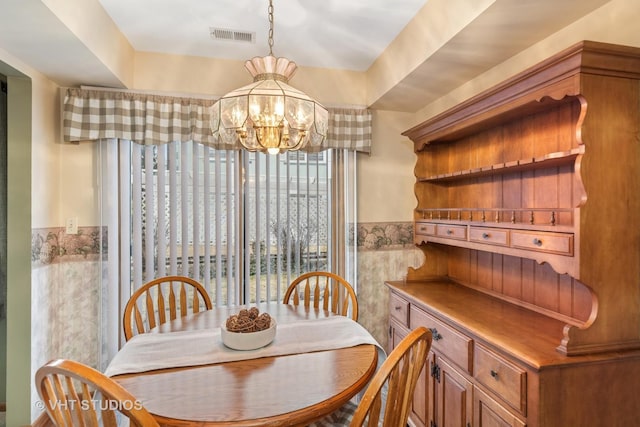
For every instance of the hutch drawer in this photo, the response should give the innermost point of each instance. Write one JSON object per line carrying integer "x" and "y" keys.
{"x": 494, "y": 236}
{"x": 425, "y": 228}
{"x": 447, "y": 341}
{"x": 399, "y": 309}
{"x": 558, "y": 243}
{"x": 451, "y": 231}
{"x": 502, "y": 377}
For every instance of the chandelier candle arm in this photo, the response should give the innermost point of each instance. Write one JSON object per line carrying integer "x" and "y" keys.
{"x": 269, "y": 115}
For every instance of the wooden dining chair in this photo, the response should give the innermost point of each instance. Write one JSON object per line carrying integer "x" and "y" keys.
{"x": 327, "y": 290}
{"x": 389, "y": 395}
{"x": 398, "y": 375}
{"x": 162, "y": 300}
{"x": 76, "y": 395}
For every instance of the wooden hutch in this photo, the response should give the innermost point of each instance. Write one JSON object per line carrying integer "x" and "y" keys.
{"x": 528, "y": 216}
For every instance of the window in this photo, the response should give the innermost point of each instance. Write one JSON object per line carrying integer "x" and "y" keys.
{"x": 243, "y": 224}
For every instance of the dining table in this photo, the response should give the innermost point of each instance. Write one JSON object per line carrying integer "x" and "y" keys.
{"x": 184, "y": 375}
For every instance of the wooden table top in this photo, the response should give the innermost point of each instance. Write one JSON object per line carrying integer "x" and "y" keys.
{"x": 271, "y": 391}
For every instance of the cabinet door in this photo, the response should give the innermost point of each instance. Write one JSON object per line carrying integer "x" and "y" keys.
{"x": 422, "y": 410}
{"x": 453, "y": 396}
{"x": 489, "y": 413}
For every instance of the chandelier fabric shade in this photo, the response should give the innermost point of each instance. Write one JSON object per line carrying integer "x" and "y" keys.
{"x": 268, "y": 115}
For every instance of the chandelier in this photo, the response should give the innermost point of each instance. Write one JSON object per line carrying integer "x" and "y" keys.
{"x": 268, "y": 115}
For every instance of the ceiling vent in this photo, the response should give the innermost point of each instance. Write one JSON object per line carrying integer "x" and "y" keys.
{"x": 226, "y": 34}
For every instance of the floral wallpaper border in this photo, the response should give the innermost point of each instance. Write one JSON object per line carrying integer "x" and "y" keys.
{"x": 53, "y": 245}
{"x": 384, "y": 235}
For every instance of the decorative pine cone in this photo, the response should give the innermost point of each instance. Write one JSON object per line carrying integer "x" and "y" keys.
{"x": 248, "y": 321}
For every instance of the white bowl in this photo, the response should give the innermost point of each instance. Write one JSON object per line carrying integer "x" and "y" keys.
{"x": 248, "y": 340}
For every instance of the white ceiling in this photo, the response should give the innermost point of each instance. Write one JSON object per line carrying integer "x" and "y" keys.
{"x": 342, "y": 34}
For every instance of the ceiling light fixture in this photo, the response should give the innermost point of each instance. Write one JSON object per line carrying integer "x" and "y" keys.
{"x": 268, "y": 115}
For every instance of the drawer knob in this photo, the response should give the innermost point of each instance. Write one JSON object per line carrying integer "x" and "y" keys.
{"x": 494, "y": 374}
{"x": 398, "y": 307}
{"x": 435, "y": 334}
{"x": 537, "y": 242}
{"x": 485, "y": 235}
{"x": 449, "y": 231}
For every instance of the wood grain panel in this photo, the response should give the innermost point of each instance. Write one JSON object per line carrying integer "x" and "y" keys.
{"x": 546, "y": 290}
{"x": 528, "y": 281}
{"x": 512, "y": 276}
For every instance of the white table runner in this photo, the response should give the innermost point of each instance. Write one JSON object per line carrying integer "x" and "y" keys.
{"x": 147, "y": 352}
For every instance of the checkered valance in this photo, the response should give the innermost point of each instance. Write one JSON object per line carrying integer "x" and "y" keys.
{"x": 90, "y": 114}
{"x": 349, "y": 128}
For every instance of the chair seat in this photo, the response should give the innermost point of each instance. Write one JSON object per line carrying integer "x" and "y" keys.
{"x": 341, "y": 417}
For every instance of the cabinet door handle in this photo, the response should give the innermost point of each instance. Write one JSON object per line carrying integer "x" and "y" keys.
{"x": 494, "y": 374}
{"x": 435, "y": 334}
{"x": 537, "y": 242}
{"x": 398, "y": 307}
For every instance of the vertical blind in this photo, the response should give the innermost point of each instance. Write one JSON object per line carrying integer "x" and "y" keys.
{"x": 243, "y": 224}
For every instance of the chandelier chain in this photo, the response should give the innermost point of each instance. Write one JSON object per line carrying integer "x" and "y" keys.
{"x": 270, "y": 27}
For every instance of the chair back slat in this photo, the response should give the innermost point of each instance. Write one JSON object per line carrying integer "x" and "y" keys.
{"x": 138, "y": 319}
{"x": 183, "y": 300}
{"x": 109, "y": 417}
{"x": 151, "y": 320}
{"x": 168, "y": 304}
{"x": 195, "y": 302}
{"x": 91, "y": 415}
{"x": 344, "y": 305}
{"x": 307, "y": 294}
{"x": 374, "y": 412}
{"x": 64, "y": 415}
{"x": 326, "y": 290}
{"x": 70, "y": 390}
{"x": 172, "y": 302}
{"x": 326, "y": 296}
{"x": 399, "y": 373}
{"x": 160, "y": 306}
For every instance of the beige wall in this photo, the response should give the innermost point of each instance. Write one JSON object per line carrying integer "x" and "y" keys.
{"x": 434, "y": 25}
{"x": 47, "y": 194}
{"x": 78, "y": 186}
{"x": 91, "y": 24}
{"x": 385, "y": 179}
{"x": 215, "y": 77}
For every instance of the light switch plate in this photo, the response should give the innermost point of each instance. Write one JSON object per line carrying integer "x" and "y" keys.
{"x": 72, "y": 225}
